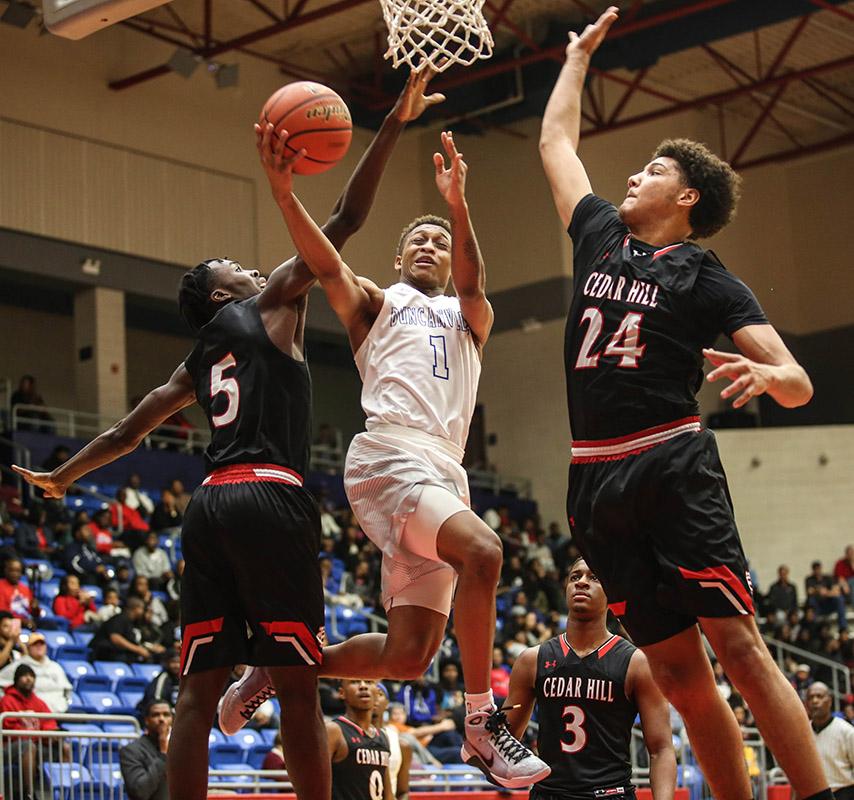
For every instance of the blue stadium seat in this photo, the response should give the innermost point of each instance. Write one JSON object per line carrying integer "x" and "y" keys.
{"x": 223, "y": 755}
{"x": 256, "y": 754}
{"x": 131, "y": 683}
{"x": 94, "y": 592}
{"x": 131, "y": 698}
{"x": 113, "y": 669}
{"x": 64, "y": 776}
{"x": 103, "y": 751}
{"x": 215, "y": 737}
{"x": 120, "y": 727}
{"x": 75, "y": 668}
{"x": 104, "y": 702}
{"x": 51, "y": 622}
{"x": 110, "y": 775}
{"x": 148, "y": 671}
{"x": 269, "y": 735}
{"x": 47, "y": 592}
{"x": 81, "y": 727}
{"x": 74, "y": 652}
{"x": 93, "y": 683}
{"x": 56, "y": 639}
{"x": 83, "y": 637}
{"x": 245, "y": 738}
{"x": 87, "y": 790}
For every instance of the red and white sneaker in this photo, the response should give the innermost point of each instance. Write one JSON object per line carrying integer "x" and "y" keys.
{"x": 499, "y": 755}
{"x": 242, "y": 699}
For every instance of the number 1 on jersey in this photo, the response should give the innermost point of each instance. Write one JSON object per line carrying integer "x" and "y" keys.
{"x": 440, "y": 357}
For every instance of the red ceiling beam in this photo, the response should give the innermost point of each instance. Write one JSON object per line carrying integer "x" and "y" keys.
{"x": 757, "y": 125}
{"x": 639, "y": 76}
{"x": 787, "y": 45}
{"x": 835, "y": 9}
{"x": 788, "y": 155}
{"x": 247, "y": 39}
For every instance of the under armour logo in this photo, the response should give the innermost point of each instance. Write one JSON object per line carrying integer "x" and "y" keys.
{"x": 550, "y": 664}
{"x": 354, "y": 739}
{"x": 639, "y": 252}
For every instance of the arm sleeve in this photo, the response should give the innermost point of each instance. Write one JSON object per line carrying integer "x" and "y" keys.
{"x": 191, "y": 362}
{"x": 595, "y": 225}
{"x": 142, "y": 775}
{"x": 726, "y": 302}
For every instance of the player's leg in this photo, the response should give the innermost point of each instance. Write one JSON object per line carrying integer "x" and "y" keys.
{"x": 303, "y": 733}
{"x": 187, "y": 760}
{"x": 779, "y": 712}
{"x": 684, "y": 674}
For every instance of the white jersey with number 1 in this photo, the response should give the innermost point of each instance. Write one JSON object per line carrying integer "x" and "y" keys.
{"x": 420, "y": 365}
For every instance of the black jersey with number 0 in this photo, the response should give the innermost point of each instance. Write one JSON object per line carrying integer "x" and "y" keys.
{"x": 639, "y": 319}
{"x": 361, "y": 775}
{"x": 585, "y": 719}
{"x": 256, "y": 398}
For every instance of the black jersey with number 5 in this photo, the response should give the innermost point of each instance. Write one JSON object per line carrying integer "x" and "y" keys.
{"x": 639, "y": 319}
{"x": 585, "y": 719}
{"x": 256, "y": 398}
{"x": 360, "y": 776}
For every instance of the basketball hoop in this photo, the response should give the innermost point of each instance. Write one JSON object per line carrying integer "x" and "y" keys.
{"x": 441, "y": 32}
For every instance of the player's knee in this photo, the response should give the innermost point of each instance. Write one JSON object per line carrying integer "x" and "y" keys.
{"x": 483, "y": 555}
{"x": 682, "y": 685}
{"x": 744, "y": 658}
{"x": 409, "y": 663}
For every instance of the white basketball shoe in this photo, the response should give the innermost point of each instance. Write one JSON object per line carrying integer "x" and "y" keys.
{"x": 502, "y": 758}
{"x": 242, "y": 699}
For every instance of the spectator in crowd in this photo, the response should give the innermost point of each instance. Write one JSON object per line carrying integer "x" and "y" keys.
{"x": 54, "y": 686}
{"x": 153, "y": 638}
{"x": 77, "y": 606}
{"x": 15, "y": 596}
{"x": 11, "y": 648}
{"x": 140, "y": 587}
{"x": 400, "y": 753}
{"x": 21, "y": 696}
{"x": 721, "y": 680}
{"x": 7, "y": 524}
{"x": 275, "y": 759}
{"x": 119, "y": 638}
{"x": 782, "y": 597}
{"x": 450, "y": 688}
{"x": 122, "y": 580}
{"x": 110, "y": 606}
{"x": 165, "y": 684}
{"x": 58, "y": 456}
{"x": 802, "y": 680}
{"x": 136, "y": 497}
{"x": 127, "y": 520}
{"x": 499, "y": 676}
{"x": 152, "y": 562}
{"x": 843, "y": 571}
{"x": 36, "y": 539}
{"x": 82, "y": 559}
{"x": 332, "y": 593}
{"x": 102, "y": 537}
{"x": 418, "y": 738}
{"x": 143, "y": 762}
{"x": 166, "y": 515}
{"x": 27, "y": 394}
{"x": 361, "y": 582}
{"x": 181, "y": 495}
{"x": 419, "y": 701}
{"x": 349, "y": 547}
{"x": 835, "y": 741}
{"x": 176, "y": 427}
{"x": 824, "y": 594}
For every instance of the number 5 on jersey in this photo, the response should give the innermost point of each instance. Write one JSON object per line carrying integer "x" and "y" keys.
{"x": 220, "y": 384}
{"x": 624, "y": 342}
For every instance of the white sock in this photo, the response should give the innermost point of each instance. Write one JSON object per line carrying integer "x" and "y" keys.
{"x": 479, "y": 702}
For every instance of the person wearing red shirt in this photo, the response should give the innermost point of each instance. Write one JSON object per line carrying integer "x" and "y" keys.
{"x": 844, "y": 571}
{"x": 15, "y": 596}
{"x": 76, "y": 606}
{"x": 20, "y": 696}
{"x": 133, "y": 526}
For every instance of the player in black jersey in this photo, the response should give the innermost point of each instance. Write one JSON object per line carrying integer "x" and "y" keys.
{"x": 588, "y": 686}
{"x": 648, "y": 500}
{"x": 251, "y": 533}
{"x": 360, "y": 752}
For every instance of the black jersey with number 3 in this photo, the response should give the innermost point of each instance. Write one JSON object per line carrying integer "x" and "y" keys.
{"x": 639, "y": 319}
{"x": 585, "y": 720}
{"x": 360, "y": 776}
{"x": 256, "y": 398}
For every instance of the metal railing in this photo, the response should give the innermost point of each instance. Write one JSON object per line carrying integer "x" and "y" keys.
{"x": 36, "y": 763}
{"x": 840, "y": 674}
{"x": 498, "y": 484}
{"x": 21, "y": 456}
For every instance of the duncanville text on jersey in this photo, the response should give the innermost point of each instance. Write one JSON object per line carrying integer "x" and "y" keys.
{"x": 427, "y": 317}
{"x": 588, "y": 688}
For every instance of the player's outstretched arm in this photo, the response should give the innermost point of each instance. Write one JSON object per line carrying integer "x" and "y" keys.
{"x": 467, "y": 267}
{"x": 561, "y": 128}
{"x": 655, "y": 722}
{"x": 519, "y": 704}
{"x": 123, "y": 437}
{"x": 293, "y": 278}
{"x": 765, "y": 366}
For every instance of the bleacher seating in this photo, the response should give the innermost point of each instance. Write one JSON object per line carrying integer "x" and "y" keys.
{"x": 74, "y": 652}
{"x": 255, "y": 755}
{"x": 148, "y": 671}
{"x": 93, "y": 683}
{"x": 114, "y": 670}
{"x": 222, "y": 755}
{"x": 246, "y": 738}
{"x": 65, "y": 775}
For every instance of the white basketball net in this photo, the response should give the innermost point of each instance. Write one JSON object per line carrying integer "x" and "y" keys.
{"x": 441, "y": 32}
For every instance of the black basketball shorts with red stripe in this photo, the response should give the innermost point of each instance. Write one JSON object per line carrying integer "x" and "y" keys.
{"x": 251, "y": 592}
{"x": 656, "y": 524}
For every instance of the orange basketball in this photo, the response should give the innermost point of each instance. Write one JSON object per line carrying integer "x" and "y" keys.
{"x": 315, "y": 118}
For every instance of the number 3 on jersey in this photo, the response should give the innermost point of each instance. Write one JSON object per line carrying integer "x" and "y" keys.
{"x": 575, "y": 728}
{"x": 227, "y": 386}
{"x": 624, "y": 342}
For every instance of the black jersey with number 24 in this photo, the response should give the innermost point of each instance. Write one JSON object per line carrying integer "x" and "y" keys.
{"x": 639, "y": 319}
{"x": 585, "y": 720}
{"x": 360, "y": 776}
{"x": 256, "y": 398}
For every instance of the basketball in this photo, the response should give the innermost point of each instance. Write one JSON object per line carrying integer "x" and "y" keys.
{"x": 315, "y": 118}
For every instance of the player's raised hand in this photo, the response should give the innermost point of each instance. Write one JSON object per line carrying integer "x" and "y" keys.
{"x": 413, "y": 101}
{"x": 43, "y": 480}
{"x": 593, "y": 35}
{"x": 748, "y": 377}
{"x": 277, "y": 165}
{"x": 451, "y": 180}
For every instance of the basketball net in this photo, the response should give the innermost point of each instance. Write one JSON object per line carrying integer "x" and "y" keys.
{"x": 441, "y": 32}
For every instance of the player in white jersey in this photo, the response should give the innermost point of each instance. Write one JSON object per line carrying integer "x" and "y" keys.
{"x": 418, "y": 352}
